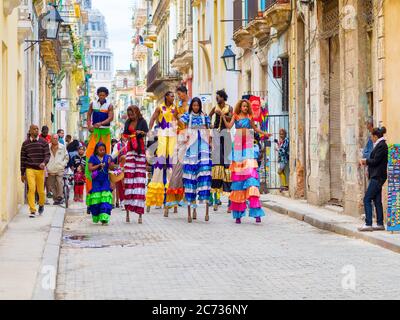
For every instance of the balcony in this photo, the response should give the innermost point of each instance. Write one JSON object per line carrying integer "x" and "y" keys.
{"x": 139, "y": 18}
{"x": 241, "y": 36}
{"x": 139, "y": 52}
{"x": 155, "y": 77}
{"x": 25, "y": 27}
{"x": 51, "y": 53}
{"x": 277, "y": 14}
{"x": 183, "y": 48}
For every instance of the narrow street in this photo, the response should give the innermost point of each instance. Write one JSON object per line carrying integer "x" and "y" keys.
{"x": 167, "y": 258}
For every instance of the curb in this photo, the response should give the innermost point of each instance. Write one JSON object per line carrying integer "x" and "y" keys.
{"x": 46, "y": 280}
{"x": 339, "y": 228}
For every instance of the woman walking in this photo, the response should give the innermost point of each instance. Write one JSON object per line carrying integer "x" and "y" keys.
{"x": 282, "y": 147}
{"x": 135, "y": 165}
{"x": 197, "y": 161}
{"x": 245, "y": 183}
{"x": 99, "y": 199}
{"x": 377, "y": 173}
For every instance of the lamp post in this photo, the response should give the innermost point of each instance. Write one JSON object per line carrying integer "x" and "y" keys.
{"x": 229, "y": 58}
{"x": 49, "y": 26}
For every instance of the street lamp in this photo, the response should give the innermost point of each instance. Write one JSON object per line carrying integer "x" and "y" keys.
{"x": 52, "y": 77}
{"x": 50, "y": 23}
{"x": 229, "y": 59}
{"x": 49, "y": 26}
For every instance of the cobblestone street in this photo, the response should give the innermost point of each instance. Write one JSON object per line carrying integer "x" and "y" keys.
{"x": 167, "y": 258}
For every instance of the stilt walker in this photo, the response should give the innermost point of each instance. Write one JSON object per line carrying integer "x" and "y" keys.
{"x": 167, "y": 116}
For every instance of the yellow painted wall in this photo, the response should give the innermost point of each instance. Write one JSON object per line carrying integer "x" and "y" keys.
{"x": 12, "y": 116}
{"x": 391, "y": 112}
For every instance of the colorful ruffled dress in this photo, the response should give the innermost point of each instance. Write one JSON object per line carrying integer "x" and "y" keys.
{"x": 197, "y": 161}
{"x": 245, "y": 180}
{"x": 99, "y": 198}
{"x": 175, "y": 191}
{"x": 103, "y": 134}
{"x": 135, "y": 168}
{"x": 163, "y": 161}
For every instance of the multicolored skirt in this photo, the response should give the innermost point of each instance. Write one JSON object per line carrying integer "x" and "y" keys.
{"x": 245, "y": 180}
{"x": 197, "y": 171}
{"x": 98, "y": 134}
{"x": 221, "y": 176}
{"x": 135, "y": 182}
{"x": 100, "y": 205}
{"x": 163, "y": 164}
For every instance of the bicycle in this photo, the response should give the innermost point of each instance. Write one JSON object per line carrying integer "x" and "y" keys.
{"x": 68, "y": 179}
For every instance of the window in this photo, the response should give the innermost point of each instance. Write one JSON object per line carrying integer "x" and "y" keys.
{"x": 94, "y": 43}
{"x": 285, "y": 84}
{"x": 125, "y": 83}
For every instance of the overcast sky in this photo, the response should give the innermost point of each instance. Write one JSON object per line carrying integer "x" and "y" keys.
{"x": 118, "y": 14}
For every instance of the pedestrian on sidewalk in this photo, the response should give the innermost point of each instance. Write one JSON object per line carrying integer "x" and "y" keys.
{"x": 56, "y": 168}
{"x": 245, "y": 180}
{"x": 222, "y": 147}
{"x": 175, "y": 192}
{"x": 377, "y": 174}
{"x": 99, "y": 199}
{"x": 73, "y": 148}
{"x": 135, "y": 163}
{"x": 282, "y": 147}
{"x": 119, "y": 156}
{"x": 197, "y": 164}
{"x": 99, "y": 118}
{"x": 78, "y": 160}
{"x": 60, "y": 133}
{"x": 45, "y": 134}
{"x": 79, "y": 183}
{"x": 35, "y": 155}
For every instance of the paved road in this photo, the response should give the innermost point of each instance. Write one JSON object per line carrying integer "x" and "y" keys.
{"x": 167, "y": 258}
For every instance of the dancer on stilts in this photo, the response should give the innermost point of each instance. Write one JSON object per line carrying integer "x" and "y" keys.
{"x": 197, "y": 161}
{"x": 166, "y": 116}
{"x": 175, "y": 191}
{"x": 245, "y": 183}
{"x": 135, "y": 165}
{"x": 99, "y": 118}
{"x": 222, "y": 147}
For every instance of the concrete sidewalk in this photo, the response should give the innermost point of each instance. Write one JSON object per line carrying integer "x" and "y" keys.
{"x": 330, "y": 219}
{"x": 24, "y": 250}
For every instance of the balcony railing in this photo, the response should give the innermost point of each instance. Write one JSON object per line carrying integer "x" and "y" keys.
{"x": 270, "y": 3}
{"x": 152, "y": 75}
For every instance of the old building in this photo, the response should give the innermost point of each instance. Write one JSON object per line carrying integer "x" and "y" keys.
{"x": 123, "y": 90}
{"x": 101, "y": 56}
{"x": 162, "y": 76}
{"x": 183, "y": 44}
{"x": 12, "y": 100}
{"x": 210, "y": 37}
{"x": 143, "y": 42}
{"x": 333, "y": 94}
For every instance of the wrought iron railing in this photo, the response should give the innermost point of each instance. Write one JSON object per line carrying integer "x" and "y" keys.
{"x": 153, "y": 73}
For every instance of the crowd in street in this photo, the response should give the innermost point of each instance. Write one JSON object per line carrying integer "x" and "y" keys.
{"x": 183, "y": 157}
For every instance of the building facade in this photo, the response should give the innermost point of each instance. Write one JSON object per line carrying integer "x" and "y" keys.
{"x": 162, "y": 76}
{"x": 100, "y": 55}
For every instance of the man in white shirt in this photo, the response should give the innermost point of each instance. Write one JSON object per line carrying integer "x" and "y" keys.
{"x": 55, "y": 169}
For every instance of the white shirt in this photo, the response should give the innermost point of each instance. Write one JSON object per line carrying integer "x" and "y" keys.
{"x": 59, "y": 161}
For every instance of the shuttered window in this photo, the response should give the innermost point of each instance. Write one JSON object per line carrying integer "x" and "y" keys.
{"x": 237, "y": 14}
{"x": 285, "y": 84}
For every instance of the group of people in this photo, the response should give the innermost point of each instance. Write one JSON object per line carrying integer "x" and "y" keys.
{"x": 188, "y": 163}
{"x": 44, "y": 160}
{"x": 183, "y": 161}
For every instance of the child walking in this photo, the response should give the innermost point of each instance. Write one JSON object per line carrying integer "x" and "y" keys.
{"x": 245, "y": 181}
{"x": 99, "y": 199}
{"x": 79, "y": 183}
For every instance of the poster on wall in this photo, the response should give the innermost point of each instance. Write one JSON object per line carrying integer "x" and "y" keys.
{"x": 62, "y": 105}
{"x": 393, "y": 208}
